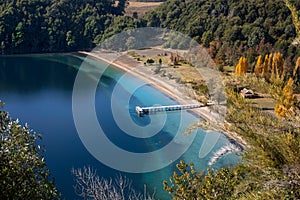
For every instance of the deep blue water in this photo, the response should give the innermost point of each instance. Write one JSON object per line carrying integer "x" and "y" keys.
{"x": 37, "y": 89}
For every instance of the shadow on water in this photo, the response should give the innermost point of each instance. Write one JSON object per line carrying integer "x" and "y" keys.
{"x": 30, "y": 73}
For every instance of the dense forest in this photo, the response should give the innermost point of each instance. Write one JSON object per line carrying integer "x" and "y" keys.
{"x": 50, "y": 26}
{"x": 229, "y": 29}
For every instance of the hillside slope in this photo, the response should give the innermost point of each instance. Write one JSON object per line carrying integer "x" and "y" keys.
{"x": 231, "y": 28}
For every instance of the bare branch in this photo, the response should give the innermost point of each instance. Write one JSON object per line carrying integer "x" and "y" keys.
{"x": 89, "y": 186}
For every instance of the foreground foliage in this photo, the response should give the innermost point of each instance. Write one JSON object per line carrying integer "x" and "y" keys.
{"x": 271, "y": 165}
{"x": 190, "y": 184}
{"x": 23, "y": 172}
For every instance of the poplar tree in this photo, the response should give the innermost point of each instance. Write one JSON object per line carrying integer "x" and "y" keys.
{"x": 297, "y": 68}
{"x": 242, "y": 67}
{"x": 270, "y": 63}
{"x": 259, "y": 66}
{"x": 265, "y": 66}
{"x": 277, "y": 64}
{"x": 287, "y": 101}
{"x": 273, "y": 65}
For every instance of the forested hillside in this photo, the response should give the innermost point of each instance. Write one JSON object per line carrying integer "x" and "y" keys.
{"x": 228, "y": 28}
{"x": 232, "y": 28}
{"x": 51, "y": 26}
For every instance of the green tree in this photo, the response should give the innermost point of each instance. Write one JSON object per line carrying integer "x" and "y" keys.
{"x": 18, "y": 36}
{"x": 256, "y": 36}
{"x": 193, "y": 185}
{"x": 23, "y": 172}
{"x": 130, "y": 42}
{"x": 207, "y": 37}
{"x": 233, "y": 34}
{"x": 70, "y": 39}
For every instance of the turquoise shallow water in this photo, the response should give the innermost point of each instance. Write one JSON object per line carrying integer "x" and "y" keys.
{"x": 37, "y": 89}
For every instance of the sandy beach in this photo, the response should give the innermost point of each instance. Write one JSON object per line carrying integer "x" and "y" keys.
{"x": 179, "y": 92}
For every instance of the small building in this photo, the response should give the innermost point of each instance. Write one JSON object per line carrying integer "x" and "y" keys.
{"x": 247, "y": 93}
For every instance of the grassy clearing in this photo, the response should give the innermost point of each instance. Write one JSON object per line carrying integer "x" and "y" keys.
{"x": 188, "y": 74}
{"x": 140, "y": 7}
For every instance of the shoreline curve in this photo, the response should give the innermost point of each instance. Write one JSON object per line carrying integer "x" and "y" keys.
{"x": 129, "y": 65}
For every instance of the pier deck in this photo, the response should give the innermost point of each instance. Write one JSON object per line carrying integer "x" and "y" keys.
{"x": 154, "y": 109}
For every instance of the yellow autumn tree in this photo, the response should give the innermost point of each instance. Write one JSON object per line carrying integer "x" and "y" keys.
{"x": 297, "y": 68}
{"x": 241, "y": 67}
{"x": 277, "y": 64}
{"x": 265, "y": 66}
{"x": 258, "y": 69}
{"x": 273, "y": 65}
{"x": 270, "y": 60}
{"x": 287, "y": 100}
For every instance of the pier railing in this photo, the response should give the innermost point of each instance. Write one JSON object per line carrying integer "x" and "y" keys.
{"x": 154, "y": 109}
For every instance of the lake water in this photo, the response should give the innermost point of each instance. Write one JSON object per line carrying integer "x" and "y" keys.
{"x": 37, "y": 89}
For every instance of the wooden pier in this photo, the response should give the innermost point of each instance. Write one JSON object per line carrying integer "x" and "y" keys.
{"x": 154, "y": 109}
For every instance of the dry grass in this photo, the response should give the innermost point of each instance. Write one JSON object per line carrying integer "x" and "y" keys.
{"x": 189, "y": 74}
{"x": 141, "y": 7}
{"x": 143, "y": 4}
